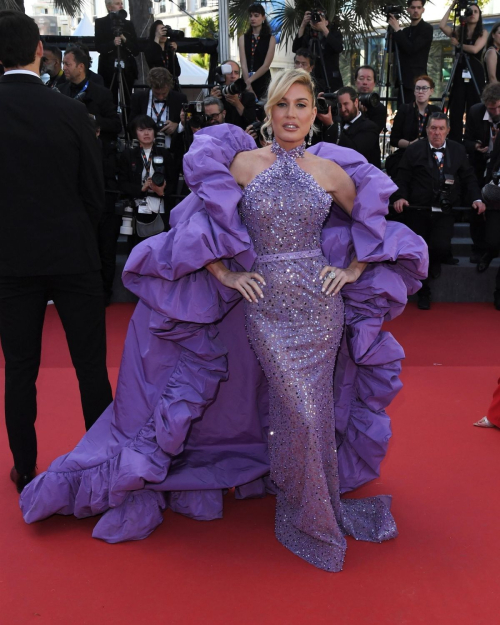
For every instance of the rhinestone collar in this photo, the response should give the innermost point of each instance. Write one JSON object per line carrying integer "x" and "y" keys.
{"x": 280, "y": 152}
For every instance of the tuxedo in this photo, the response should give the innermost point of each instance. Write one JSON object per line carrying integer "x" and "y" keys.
{"x": 362, "y": 135}
{"x": 140, "y": 102}
{"x": 104, "y": 44}
{"x": 52, "y": 198}
{"x": 419, "y": 181}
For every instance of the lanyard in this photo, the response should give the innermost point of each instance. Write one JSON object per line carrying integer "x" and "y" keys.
{"x": 422, "y": 121}
{"x": 147, "y": 161}
{"x": 158, "y": 115}
{"x": 78, "y": 96}
{"x": 439, "y": 164}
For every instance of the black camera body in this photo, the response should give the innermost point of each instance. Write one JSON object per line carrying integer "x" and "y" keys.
{"x": 235, "y": 88}
{"x": 327, "y": 100}
{"x": 195, "y": 114}
{"x": 118, "y": 21}
{"x": 173, "y": 35}
{"x": 444, "y": 196}
{"x": 317, "y": 14}
{"x": 393, "y": 9}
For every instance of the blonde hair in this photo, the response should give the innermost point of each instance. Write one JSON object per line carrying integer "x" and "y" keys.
{"x": 280, "y": 84}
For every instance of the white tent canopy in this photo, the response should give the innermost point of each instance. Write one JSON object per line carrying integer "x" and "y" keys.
{"x": 191, "y": 74}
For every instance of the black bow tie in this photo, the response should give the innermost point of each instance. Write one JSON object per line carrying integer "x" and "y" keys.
{"x": 434, "y": 150}
{"x": 159, "y": 101}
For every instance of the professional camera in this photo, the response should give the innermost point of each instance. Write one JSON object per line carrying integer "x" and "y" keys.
{"x": 160, "y": 140}
{"x": 195, "y": 114}
{"x": 238, "y": 86}
{"x": 327, "y": 100}
{"x": 118, "y": 21}
{"x": 491, "y": 192}
{"x": 369, "y": 100}
{"x": 158, "y": 177}
{"x": 317, "y": 14}
{"x": 256, "y": 126}
{"x": 125, "y": 210}
{"x": 173, "y": 35}
{"x": 393, "y": 9}
{"x": 444, "y": 196}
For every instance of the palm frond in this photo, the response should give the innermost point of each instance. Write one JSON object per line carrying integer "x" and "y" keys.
{"x": 73, "y": 8}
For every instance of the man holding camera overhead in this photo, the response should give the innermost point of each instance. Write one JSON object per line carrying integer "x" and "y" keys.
{"x": 239, "y": 105}
{"x": 325, "y": 41}
{"x": 414, "y": 43}
{"x": 115, "y": 37}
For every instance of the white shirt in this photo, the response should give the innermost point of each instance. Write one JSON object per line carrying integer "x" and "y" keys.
{"x": 163, "y": 118}
{"x": 153, "y": 203}
{"x": 22, "y": 71}
{"x": 346, "y": 126}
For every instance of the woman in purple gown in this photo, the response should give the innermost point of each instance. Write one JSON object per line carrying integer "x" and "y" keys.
{"x": 193, "y": 414}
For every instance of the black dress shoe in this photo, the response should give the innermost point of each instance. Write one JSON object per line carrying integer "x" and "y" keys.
{"x": 424, "y": 301}
{"x": 21, "y": 480}
{"x": 484, "y": 263}
{"x": 496, "y": 299}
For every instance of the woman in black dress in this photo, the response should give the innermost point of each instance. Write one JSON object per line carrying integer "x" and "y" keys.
{"x": 463, "y": 92}
{"x": 160, "y": 52}
{"x": 257, "y": 48}
{"x": 491, "y": 64}
{"x": 410, "y": 122}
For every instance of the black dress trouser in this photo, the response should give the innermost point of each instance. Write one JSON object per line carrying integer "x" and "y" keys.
{"x": 80, "y": 303}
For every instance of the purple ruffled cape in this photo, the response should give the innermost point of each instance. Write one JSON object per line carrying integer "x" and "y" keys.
{"x": 190, "y": 416}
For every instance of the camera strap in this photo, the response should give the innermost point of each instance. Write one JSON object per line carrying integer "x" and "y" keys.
{"x": 79, "y": 95}
{"x": 158, "y": 115}
{"x": 147, "y": 161}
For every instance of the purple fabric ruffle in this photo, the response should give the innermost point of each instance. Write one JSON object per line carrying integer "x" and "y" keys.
{"x": 189, "y": 418}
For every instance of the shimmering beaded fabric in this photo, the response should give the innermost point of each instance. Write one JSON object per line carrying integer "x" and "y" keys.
{"x": 295, "y": 332}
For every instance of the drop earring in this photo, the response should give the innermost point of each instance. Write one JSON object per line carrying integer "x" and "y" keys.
{"x": 270, "y": 133}
{"x": 310, "y": 135}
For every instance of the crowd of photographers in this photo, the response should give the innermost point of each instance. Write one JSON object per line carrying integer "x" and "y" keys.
{"x": 432, "y": 171}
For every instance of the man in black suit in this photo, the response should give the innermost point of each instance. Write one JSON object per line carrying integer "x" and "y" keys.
{"x": 357, "y": 132}
{"x": 52, "y": 197}
{"x": 481, "y": 132}
{"x": 160, "y": 102}
{"x": 414, "y": 44}
{"x": 365, "y": 82}
{"x": 113, "y": 32}
{"x": 433, "y": 173}
{"x": 97, "y": 100}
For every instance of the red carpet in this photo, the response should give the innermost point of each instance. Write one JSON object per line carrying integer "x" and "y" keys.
{"x": 442, "y": 472}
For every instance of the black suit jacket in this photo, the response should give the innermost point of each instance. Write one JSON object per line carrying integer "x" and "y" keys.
{"x": 249, "y": 111}
{"x": 477, "y": 129}
{"x": 414, "y": 44}
{"x": 99, "y": 102}
{"x": 52, "y": 183}
{"x": 362, "y": 136}
{"x": 378, "y": 115}
{"x": 130, "y": 168}
{"x": 405, "y": 124}
{"x": 418, "y": 176}
{"x": 104, "y": 44}
{"x": 140, "y": 101}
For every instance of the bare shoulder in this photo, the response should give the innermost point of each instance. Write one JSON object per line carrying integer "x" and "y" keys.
{"x": 249, "y": 164}
{"x": 328, "y": 174}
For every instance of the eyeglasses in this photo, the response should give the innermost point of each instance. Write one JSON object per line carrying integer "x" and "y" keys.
{"x": 422, "y": 88}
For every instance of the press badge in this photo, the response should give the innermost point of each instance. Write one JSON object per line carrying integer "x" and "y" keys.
{"x": 466, "y": 75}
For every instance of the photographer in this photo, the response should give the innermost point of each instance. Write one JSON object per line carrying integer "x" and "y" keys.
{"x": 315, "y": 26}
{"x": 357, "y": 132}
{"x": 410, "y": 122}
{"x": 160, "y": 102}
{"x": 463, "y": 92}
{"x": 435, "y": 173}
{"x": 97, "y": 100}
{"x": 306, "y": 60}
{"x": 491, "y": 56}
{"x": 115, "y": 36}
{"x": 414, "y": 43}
{"x": 240, "y": 108}
{"x": 52, "y": 65}
{"x": 365, "y": 80}
{"x": 136, "y": 174}
{"x": 160, "y": 52}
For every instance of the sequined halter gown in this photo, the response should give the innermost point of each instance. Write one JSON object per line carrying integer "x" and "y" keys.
{"x": 295, "y": 332}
